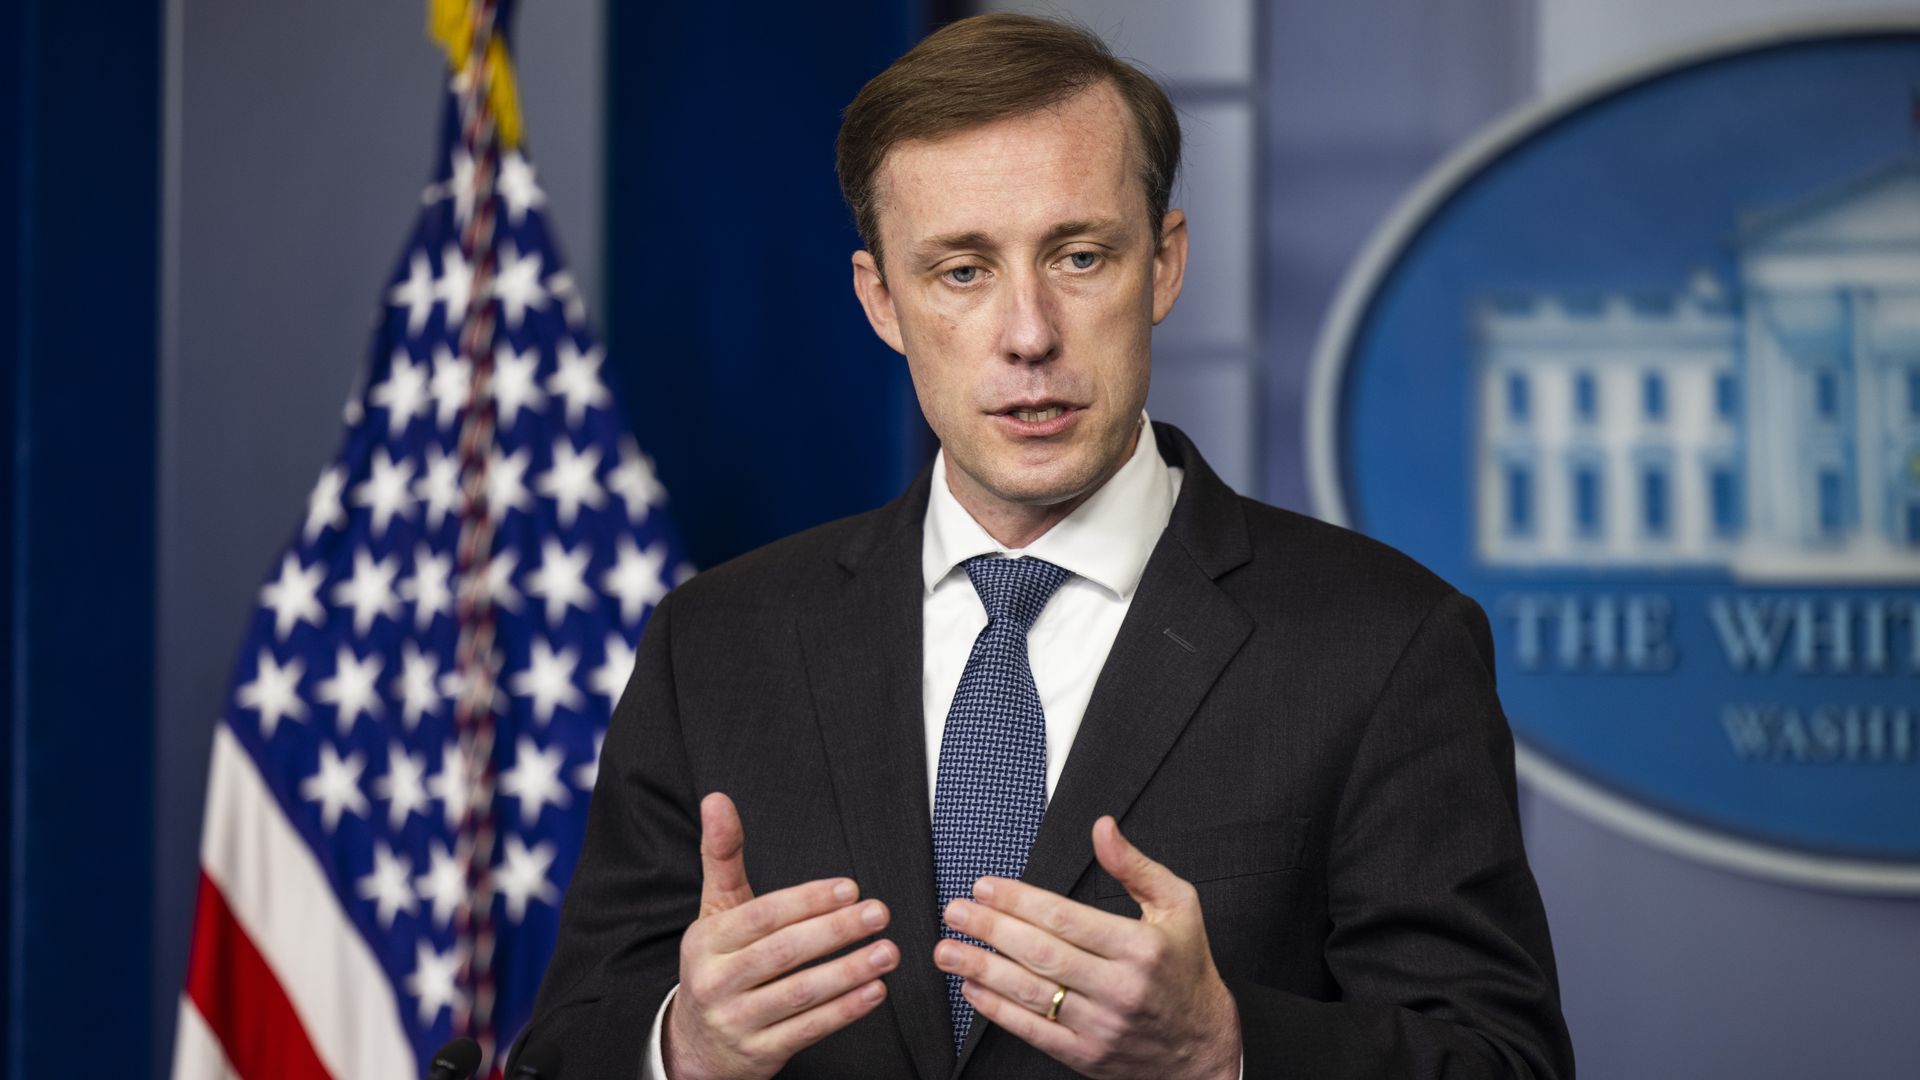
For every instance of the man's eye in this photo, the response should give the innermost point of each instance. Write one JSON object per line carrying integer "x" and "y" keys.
{"x": 963, "y": 275}
{"x": 1083, "y": 260}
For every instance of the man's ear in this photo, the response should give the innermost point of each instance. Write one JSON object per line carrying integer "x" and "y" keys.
{"x": 1169, "y": 264}
{"x": 877, "y": 300}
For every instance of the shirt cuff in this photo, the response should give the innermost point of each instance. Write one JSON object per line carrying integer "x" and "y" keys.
{"x": 654, "y": 1065}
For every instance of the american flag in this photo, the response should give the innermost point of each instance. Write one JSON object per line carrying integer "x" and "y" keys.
{"x": 400, "y": 777}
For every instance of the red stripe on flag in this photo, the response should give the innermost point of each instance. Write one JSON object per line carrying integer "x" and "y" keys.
{"x": 244, "y": 1005}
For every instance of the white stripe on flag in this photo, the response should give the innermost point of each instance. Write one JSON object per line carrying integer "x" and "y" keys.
{"x": 196, "y": 1053}
{"x": 279, "y": 895}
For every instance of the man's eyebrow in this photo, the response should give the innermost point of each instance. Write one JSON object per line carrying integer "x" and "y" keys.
{"x": 1095, "y": 226}
{"x": 933, "y": 246}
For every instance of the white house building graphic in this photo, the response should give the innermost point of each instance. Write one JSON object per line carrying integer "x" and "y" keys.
{"x": 1771, "y": 428}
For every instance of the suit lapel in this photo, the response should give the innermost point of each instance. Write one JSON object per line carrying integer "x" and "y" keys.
{"x": 863, "y": 655}
{"x": 1179, "y": 633}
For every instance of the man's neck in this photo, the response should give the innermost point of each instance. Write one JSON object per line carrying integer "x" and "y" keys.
{"x": 1016, "y": 525}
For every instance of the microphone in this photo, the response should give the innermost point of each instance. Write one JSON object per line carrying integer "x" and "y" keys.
{"x": 456, "y": 1060}
{"x": 540, "y": 1061}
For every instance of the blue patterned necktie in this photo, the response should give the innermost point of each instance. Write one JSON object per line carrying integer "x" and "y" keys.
{"x": 992, "y": 785}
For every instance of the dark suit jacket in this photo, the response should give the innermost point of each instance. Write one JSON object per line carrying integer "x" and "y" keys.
{"x": 1298, "y": 720}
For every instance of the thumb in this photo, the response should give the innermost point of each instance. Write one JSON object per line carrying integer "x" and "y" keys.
{"x": 723, "y": 864}
{"x": 1155, "y": 888}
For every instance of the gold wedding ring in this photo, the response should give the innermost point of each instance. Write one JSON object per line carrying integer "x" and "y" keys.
{"x": 1059, "y": 995}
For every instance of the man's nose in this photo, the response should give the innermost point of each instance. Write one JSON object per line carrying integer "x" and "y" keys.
{"x": 1029, "y": 328}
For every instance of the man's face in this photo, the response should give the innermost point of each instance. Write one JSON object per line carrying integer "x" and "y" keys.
{"x": 1022, "y": 284}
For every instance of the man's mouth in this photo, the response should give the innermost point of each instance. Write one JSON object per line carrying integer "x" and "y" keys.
{"x": 1035, "y": 416}
{"x": 1039, "y": 419}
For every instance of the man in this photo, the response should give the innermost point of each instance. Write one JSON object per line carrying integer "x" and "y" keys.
{"x": 1069, "y": 760}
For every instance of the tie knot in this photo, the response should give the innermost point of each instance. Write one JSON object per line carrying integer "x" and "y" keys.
{"x": 1014, "y": 590}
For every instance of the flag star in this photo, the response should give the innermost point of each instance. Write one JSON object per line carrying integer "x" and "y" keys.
{"x": 588, "y": 775}
{"x": 439, "y": 485}
{"x": 336, "y": 786}
{"x": 507, "y": 483}
{"x": 415, "y": 685}
{"x": 404, "y": 393}
{"x": 561, "y": 579}
{"x": 610, "y": 678}
{"x": 535, "y": 780}
{"x": 548, "y": 680}
{"x": 430, "y": 589}
{"x": 572, "y": 480}
{"x": 403, "y": 787}
{"x": 635, "y": 578}
{"x": 517, "y": 284}
{"x": 352, "y": 689}
{"x": 460, "y": 186}
{"x": 498, "y": 580}
{"x": 444, "y": 884}
{"x": 294, "y": 596}
{"x": 274, "y": 692}
{"x": 433, "y": 981}
{"x": 387, "y": 886}
{"x": 577, "y": 380}
{"x": 562, "y": 287}
{"x": 517, "y": 187}
{"x": 521, "y": 876}
{"x": 369, "y": 592}
{"x": 635, "y": 483}
{"x": 449, "y": 785}
{"x": 454, "y": 287}
{"x": 452, "y": 383}
{"x": 386, "y": 492}
{"x": 323, "y": 505}
{"x": 516, "y": 383}
{"x": 415, "y": 294}
{"x": 452, "y": 684}
{"x": 453, "y": 687}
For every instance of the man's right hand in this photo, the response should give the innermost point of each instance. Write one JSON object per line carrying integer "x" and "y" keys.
{"x": 742, "y": 1010}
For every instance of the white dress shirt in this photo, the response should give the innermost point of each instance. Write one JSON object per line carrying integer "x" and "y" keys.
{"x": 1104, "y": 543}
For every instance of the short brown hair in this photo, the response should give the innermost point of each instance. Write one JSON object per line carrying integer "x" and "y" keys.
{"x": 986, "y": 68}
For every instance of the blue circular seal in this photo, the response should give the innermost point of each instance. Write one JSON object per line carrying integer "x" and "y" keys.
{"x": 1640, "y": 371}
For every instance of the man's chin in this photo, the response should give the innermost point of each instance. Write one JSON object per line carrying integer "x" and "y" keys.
{"x": 1040, "y": 487}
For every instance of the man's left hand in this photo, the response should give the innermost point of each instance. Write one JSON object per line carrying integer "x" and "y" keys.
{"x": 1143, "y": 998}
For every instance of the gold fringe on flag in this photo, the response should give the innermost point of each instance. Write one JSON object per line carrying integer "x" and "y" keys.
{"x": 451, "y": 24}
{"x": 503, "y": 94}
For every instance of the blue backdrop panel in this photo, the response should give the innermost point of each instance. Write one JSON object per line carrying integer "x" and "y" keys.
{"x": 733, "y": 333}
{"x": 83, "y": 122}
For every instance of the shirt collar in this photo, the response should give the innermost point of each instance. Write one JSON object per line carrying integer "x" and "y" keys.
{"x": 1106, "y": 539}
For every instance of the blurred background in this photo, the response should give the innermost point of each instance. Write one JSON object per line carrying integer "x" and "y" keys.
{"x": 204, "y": 201}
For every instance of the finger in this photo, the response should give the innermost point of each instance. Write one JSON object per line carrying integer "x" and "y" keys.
{"x": 736, "y": 928}
{"x": 1013, "y": 982}
{"x": 796, "y": 1033}
{"x": 773, "y": 1004}
{"x": 1099, "y": 932}
{"x": 1157, "y": 890}
{"x": 723, "y": 864}
{"x": 802, "y": 942}
{"x": 1051, "y": 1038}
{"x": 1029, "y": 946}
